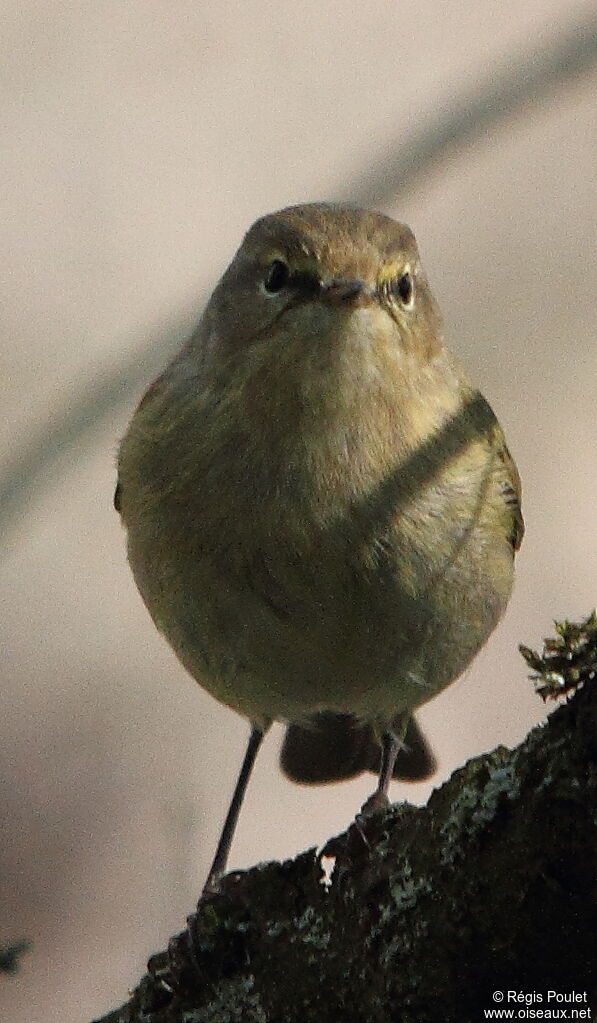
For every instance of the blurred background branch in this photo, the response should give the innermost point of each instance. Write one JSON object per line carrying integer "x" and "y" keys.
{"x": 10, "y": 955}
{"x": 507, "y": 92}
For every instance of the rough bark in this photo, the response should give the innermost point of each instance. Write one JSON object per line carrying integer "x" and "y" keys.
{"x": 490, "y": 887}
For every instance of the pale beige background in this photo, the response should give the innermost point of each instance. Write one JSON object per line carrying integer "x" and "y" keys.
{"x": 139, "y": 140}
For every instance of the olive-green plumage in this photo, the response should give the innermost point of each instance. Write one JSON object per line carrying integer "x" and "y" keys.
{"x": 321, "y": 510}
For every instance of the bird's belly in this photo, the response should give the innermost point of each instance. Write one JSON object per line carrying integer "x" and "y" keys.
{"x": 281, "y": 639}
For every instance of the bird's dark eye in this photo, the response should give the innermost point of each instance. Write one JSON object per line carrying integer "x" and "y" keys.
{"x": 403, "y": 289}
{"x": 277, "y": 276}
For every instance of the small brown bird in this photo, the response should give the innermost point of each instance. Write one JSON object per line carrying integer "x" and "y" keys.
{"x": 322, "y": 512}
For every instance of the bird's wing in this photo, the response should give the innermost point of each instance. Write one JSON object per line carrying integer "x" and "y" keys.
{"x": 510, "y": 486}
{"x": 503, "y": 472}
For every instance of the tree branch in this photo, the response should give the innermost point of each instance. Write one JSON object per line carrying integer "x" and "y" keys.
{"x": 490, "y": 887}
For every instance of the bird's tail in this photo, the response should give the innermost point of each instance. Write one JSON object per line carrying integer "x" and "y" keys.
{"x": 331, "y": 747}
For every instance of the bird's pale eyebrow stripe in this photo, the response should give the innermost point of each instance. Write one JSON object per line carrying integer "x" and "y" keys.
{"x": 390, "y": 271}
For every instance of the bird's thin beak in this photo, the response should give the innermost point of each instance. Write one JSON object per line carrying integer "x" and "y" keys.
{"x": 342, "y": 291}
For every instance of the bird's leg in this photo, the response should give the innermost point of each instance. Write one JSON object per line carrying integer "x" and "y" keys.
{"x": 221, "y": 857}
{"x": 390, "y": 748}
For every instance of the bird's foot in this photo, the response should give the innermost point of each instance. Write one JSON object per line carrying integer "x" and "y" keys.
{"x": 378, "y": 800}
